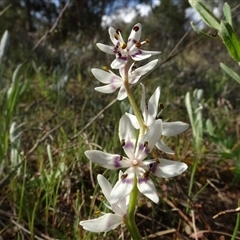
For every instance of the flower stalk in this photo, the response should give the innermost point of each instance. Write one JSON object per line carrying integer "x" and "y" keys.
{"x": 132, "y": 100}
{"x": 130, "y": 220}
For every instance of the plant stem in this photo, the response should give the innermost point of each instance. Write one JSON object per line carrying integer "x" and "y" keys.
{"x": 130, "y": 220}
{"x": 132, "y": 101}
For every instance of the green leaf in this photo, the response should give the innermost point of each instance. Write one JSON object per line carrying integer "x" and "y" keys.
{"x": 207, "y": 16}
{"x": 198, "y": 31}
{"x": 230, "y": 72}
{"x": 227, "y": 13}
{"x": 230, "y": 39}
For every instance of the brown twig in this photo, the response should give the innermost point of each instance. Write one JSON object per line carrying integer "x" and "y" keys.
{"x": 5, "y": 9}
{"x": 236, "y": 210}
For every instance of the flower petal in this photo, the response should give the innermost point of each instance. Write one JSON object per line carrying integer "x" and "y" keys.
{"x": 153, "y": 106}
{"x": 133, "y": 120}
{"x": 112, "y": 32}
{"x": 146, "y": 186}
{"x": 110, "y": 88}
{"x": 119, "y": 62}
{"x": 122, "y": 94}
{"x": 105, "y": 186}
{"x": 127, "y": 136}
{"x": 163, "y": 147}
{"x": 104, "y": 223}
{"x": 123, "y": 187}
{"x": 173, "y": 128}
{"x": 143, "y": 105}
{"x": 135, "y": 35}
{"x": 107, "y": 160}
{"x": 167, "y": 168}
{"x": 148, "y": 140}
{"x": 106, "y": 77}
{"x": 106, "y": 48}
{"x": 140, "y": 71}
{"x": 138, "y": 54}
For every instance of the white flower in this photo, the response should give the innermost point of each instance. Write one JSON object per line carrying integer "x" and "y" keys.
{"x": 108, "y": 221}
{"x": 114, "y": 81}
{"x": 150, "y": 115}
{"x": 122, "y": 50}
{"x": 136, "y": 152}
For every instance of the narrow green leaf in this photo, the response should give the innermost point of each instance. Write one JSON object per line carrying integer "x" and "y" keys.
{"x": 207, "y": 16}
{"x": 198, "y": 31}
{"x": 230, "y": 39}
{"x": 227, "y": 13}
{"x": 230, "y": 72}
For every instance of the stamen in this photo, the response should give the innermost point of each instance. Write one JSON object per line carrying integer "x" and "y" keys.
{"x": 157, "y": 160}
{"x": 118, "y": 30}
{"x": 97, "y": 212}
{"x": 124, "y": 176}
{"x": 146, "y": 174}
{"x": 116, "y": 36}
{"x": 147, "y": 41}
{"x": 123, "y": 45}
{"x": 145, "y": 144}
{"x": 138, "y": 44}
{"x": 135, "y": 28}
{"x": 101, "y": 198}
{"x": 135, "y": 66}
{"x": 161, "y": 106}
{"x": 106, "y": 68}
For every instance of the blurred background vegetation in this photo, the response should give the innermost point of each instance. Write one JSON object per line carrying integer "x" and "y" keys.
{"x": 53, "y": 187}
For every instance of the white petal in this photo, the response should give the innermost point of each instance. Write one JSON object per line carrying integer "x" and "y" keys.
{"x": 105, "y": 186}
{"x": 146, "y": 187}
{"x": 135, "y": 74}
{"x": 107, "y": 160}
{"x": 133, "y": 120}
{"x": 112, "y": 32}
{"x": 104, "y": 223}
{"x": 123, "y": 187}
{"x": 119, "y": 62}
{"x": 163, "y": 147}
{"x": 110, "y": 88}
{"x": 167, "y": 168}
{"x": 127, "y": 133}
{"x": 173, "y": 128}
{"x": 153, "y": 106}
{"x": 148, "y": 140}
{"x": 138, "y": 54}
{"x": 135, "y": 35}
{"x": 122, "y": 94}
{"x": 106, "y": 77}
{"x": 106, "y": 48}
{"x": 143, "y": 105}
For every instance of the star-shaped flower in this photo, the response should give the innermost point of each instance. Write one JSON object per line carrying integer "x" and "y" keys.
{"x": 113, "y": 81}
{"x": 122, "y": 50}
{"x": 150, "y": 115}
{"x": 136, "y": 151}
{"x": 108, "y": 221}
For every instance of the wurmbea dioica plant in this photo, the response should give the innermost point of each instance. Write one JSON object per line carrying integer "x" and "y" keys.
{"x": 137, "y": 147}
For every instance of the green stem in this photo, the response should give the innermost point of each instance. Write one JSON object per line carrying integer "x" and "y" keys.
{"x": 132, "y": 100}
{"x": 130, "y": 220}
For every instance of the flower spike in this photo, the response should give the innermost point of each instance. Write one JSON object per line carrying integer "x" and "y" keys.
{"x": 122, "y": 50}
